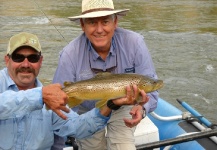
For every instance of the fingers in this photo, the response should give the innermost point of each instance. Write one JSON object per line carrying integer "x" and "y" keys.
{"x": 60, "y": 114}
{"x": 55, "y": 99}
{"x": 65, "y": 109}
{"x": 145, "y": 98}
{"x": 135, "y": 92}
{"x": 131, "y": 122}
{"x": 136, "y": 117}
{"x": 132, "y": 94}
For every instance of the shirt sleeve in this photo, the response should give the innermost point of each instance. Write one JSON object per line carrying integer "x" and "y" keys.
{"x": 65, "y": 68}
{"x": 80, "y": 126}
{"x": 17, "y": 104}
{"x": 144, "y": 65}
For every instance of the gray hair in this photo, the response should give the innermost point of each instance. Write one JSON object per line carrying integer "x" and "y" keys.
{"x": 113, "y": 16}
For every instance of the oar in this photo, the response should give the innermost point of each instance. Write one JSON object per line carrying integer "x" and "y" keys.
{"x": 195, "y": 113}
{"x": 181, "y": 139}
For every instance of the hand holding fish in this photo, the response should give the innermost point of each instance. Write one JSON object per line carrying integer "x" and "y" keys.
{"x": 55, "y": 99}
{"x": 131, "y": 98}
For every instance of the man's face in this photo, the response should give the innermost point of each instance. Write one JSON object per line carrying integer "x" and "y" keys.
{"x": 100, "y": 31}
{"x": 25, "y": 72}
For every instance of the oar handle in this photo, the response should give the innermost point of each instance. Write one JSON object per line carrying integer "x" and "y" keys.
{"x": 195, "y": 113}
{"x": 181, "y": 139}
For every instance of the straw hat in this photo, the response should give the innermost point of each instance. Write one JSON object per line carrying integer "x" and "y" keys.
{"x": 23, "y": 39}
{"x": 98, "y": 8}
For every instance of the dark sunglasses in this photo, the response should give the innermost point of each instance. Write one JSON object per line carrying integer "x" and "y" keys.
{"x": 96, "y": 70}
{"x": 33, "y": 58}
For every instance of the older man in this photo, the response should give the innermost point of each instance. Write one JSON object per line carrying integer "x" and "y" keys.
{"x": 105, "y": 47}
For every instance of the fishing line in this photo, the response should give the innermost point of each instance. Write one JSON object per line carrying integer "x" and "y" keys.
{"x": 50, "y": 21}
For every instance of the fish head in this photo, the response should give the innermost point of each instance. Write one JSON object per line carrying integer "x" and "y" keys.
{"x": 150, "y": 85}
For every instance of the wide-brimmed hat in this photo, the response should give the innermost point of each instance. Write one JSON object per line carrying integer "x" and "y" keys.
{"x": 98, "y": 8}
{"x": 23, "y": 39}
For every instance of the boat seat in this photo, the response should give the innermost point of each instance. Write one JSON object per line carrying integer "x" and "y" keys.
{"x": 146, "y": 132}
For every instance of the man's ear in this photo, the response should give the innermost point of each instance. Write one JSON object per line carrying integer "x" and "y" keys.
{"x": 41, "y": 59}
{"x": 82, "y": 24}
{"x": 7, "y": 58}
{"x": 116, "y": 21}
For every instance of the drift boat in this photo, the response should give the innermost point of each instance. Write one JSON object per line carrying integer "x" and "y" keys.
{"x": 169, "y": 128}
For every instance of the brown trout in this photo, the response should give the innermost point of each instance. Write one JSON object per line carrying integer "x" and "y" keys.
{"x": 106, "y": 86}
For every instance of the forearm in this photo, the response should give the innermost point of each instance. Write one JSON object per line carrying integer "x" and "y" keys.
{"x": 151, "y": 105}
{"x": 80, "y": 126}
{"x": 16, "y": 104}
{"x": 105, "y": 111}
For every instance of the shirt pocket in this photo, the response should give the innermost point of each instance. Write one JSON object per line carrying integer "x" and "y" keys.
{"x": 84, "y": 75}
{"x": 7, "y": 133}
{"x": 40, "y": 135}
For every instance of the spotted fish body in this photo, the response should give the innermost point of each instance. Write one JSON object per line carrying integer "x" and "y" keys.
{"x": 106, "y": 86}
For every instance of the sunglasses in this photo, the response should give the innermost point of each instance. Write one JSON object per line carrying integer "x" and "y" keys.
{"x": 33, "y": 58}
{"x": 96, "y": 70}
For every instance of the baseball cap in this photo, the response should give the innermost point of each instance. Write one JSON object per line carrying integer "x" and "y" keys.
{"x": 23, "y": 39}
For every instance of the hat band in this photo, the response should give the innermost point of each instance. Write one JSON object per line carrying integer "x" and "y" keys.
{"x": 97, "y": 9}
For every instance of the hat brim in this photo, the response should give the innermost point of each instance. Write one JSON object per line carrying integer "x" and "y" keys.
{"x": 15, "y": 48}
{"x": 96, "y": 14}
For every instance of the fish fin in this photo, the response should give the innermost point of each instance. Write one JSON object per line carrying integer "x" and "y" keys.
{"x": 67, "y": 83}
{"x": 72, "y": 102}
{"x": 101, "y": 103}
{"x": 102, "y": 74}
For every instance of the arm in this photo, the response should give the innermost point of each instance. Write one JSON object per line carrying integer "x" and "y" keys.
{"x": 87, "y": 124}
{"x": 79, "y": 126}
{"x": 143, "y": 65}
{"x": 17, "y": 104}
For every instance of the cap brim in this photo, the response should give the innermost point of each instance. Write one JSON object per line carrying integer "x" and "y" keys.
{"x": 99, "y": 14}
{"x": 13, "y": 50}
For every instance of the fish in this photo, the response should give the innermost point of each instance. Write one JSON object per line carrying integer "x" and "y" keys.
{"x": 106, "y": 86}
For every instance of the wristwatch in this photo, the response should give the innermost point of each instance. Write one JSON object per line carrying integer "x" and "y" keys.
{"x": 143, "y": 113}
{"x": 112, "y": 106}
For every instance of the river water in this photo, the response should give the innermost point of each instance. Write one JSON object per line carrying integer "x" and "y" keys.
{"x": 181, "y": 37}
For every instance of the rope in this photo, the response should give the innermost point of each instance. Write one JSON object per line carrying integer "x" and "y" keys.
{"x": 50, "y": 21}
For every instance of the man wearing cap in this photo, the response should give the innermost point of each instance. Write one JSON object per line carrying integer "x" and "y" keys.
{"x": 105, "y": 47}
{"x": 24, "y": 121}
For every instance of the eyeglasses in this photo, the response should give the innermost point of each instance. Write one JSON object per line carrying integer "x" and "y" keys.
{"x": 33, "y": 58}
{"x": 96, "y": 70}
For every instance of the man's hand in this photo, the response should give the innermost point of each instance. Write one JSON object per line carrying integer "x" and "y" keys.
{"x": 131, "y": 97}
{"x": 137, "y": 111}
{"x": 55, "y": 99}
